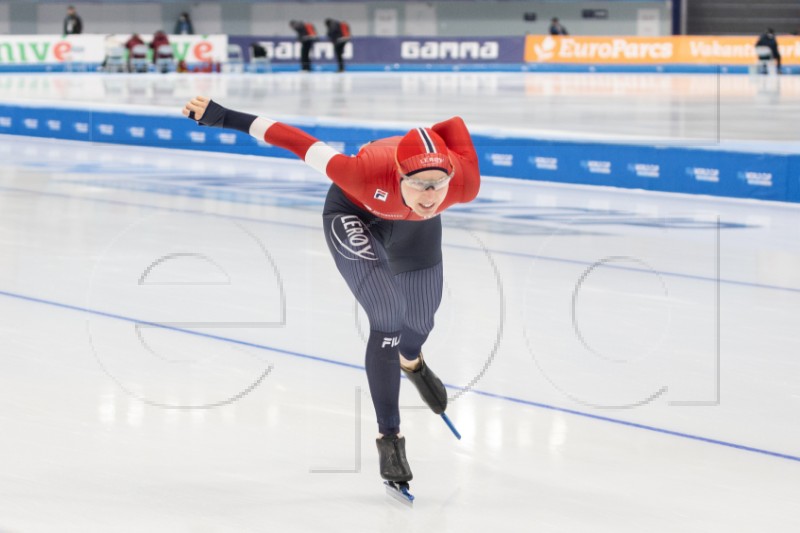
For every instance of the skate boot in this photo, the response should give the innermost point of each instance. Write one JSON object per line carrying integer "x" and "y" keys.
{"x": 394, "y": 467}
{"x": 429, "y": 385}
{"x": 393, "y": 462}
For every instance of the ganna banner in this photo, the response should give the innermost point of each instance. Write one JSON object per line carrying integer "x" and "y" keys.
{"x": 89, "y": 48}
{"x": 394, "y": 50}
{"x": 684, "y": 49}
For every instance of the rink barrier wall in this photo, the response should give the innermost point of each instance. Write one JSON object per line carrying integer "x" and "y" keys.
{"x": 436, "y": 67}
{"x": 678, "y": 54}
{"x": 709, "y": 169}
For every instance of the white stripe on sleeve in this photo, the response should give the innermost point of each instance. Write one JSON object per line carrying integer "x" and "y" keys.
{"x": 318, "y": 155}
{"x": 260, "y": 126}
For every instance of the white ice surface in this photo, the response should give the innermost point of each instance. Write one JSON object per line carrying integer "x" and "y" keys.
{"x": 618, "y": 361}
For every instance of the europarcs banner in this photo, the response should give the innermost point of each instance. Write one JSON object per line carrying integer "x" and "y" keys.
{"x": 93, "y": 48}
{"x": 682, "y": 49}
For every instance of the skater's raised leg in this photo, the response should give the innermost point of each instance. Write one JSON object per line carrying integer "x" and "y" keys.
{"x": 423, "y": 291}
{"x": 430, "y": 387}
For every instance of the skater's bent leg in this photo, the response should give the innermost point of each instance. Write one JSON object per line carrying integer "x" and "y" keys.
{"x": 423, "y": 294}
{"x": 383, "y": 375}
{"x": 363, "y": 265}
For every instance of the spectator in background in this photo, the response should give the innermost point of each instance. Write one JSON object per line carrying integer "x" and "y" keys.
{"x": 556, "y": 28}
{"x": 72, "y": 22}
{"x": 307, "y": 35}
{"x": 339, "y": 34}
{"x": 183, "y": 26}
{"x": 767, "y": 41}
{"x": 257, "y": 50}
{"x": 159, "y": 39}
{"x": 130, "y": 44}
{"x": 133, "y": 41}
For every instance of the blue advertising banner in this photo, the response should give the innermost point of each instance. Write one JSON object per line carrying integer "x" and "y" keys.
{"x": 393, "y": 50}
{"x": 691, "y": 170}
{"x": 688, "y": 170}
{"x": 793, "y": 180}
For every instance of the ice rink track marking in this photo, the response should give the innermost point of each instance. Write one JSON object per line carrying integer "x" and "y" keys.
{"x": 319, "y": 359}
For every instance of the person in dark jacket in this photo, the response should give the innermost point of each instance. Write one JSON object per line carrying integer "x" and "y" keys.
{"x": 768, "y": 41}
{"x": 73, "y": 24}
{"x": 184, "y": 26}
{"x": 339, "y": 34}
{"x": 307, "y": 35}
{"x": 556, "y": 28}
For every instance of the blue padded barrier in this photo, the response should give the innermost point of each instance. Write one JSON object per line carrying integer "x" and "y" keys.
{"x": 732, "y": 170}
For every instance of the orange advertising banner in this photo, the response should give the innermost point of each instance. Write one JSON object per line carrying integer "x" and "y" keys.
{"x": 681, "y": 49}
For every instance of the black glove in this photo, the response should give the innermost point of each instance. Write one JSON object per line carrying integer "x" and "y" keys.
{"x": 217, "y": 116}
{"x": 213, "y": 116}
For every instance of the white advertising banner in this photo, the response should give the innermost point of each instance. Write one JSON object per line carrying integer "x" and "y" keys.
{"x": 89, "y": 48}
{"x": 37, "y": 49}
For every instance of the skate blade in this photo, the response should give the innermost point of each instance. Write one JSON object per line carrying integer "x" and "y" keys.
{"x": 399, "y": 491}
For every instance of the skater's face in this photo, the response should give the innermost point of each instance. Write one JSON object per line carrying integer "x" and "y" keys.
{"x": 425, "y": 191}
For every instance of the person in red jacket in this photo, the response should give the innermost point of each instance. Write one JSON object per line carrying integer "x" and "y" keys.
{"x": 382, "y": 227}
{"x": 307, "y": 35}
{"x": 131, "y": 44}
{"x": 159, "y": 39}
{"x": 339, "y": 34}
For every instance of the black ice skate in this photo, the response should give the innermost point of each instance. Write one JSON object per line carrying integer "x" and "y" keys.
{"x": 429, "y": 385}
{"x": 394, "y": 467}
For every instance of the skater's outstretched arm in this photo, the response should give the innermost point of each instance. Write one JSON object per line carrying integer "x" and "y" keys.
{"x": 347, "y": 172}
{"x": 359, "y": 175}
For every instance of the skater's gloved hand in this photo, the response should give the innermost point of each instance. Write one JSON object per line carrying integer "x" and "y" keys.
{"x": 205, "y": 111}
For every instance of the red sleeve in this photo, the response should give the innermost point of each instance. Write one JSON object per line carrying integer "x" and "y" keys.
{"x": 347, "y": 172}
{"x": 293, "y": 139}
{"x": 457, "y": 137}
{"x": 458, "y": 140}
